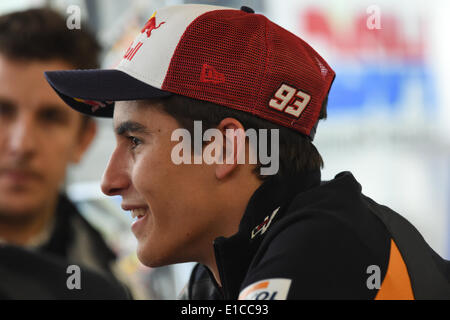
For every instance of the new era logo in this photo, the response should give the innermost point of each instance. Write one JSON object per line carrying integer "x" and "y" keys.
{"x": 210, "y": 74}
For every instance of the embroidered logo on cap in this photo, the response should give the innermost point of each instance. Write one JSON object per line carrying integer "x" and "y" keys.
{"x": 95, "y": 105}
{"x": 210, "y": 74}
{"x": 131, "y": 51}
{"x": 289, "y": 100}
{"x": 263, "y": 226}
{"x": 151, "y": 25}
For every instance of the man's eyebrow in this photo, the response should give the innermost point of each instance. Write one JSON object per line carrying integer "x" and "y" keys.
{"x": 131, "y": 127}
{"x": 53, "y": 107}
{"x": 6, "y": 101}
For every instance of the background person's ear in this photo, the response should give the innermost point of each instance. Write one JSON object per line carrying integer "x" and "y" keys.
{"x": 85, "y": 139}
{"x": 233, "y": 146}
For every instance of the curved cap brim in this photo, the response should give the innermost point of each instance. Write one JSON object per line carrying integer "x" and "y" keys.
{"x": 93, "y": 92}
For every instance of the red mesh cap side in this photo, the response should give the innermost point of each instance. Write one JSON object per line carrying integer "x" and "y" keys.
{"x": 219, "y": 44}
{"x": 240, "y": 60}
{"x": 292, "y": 62}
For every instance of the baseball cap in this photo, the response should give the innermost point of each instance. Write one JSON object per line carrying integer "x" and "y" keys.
{"x": 231, "y": 57}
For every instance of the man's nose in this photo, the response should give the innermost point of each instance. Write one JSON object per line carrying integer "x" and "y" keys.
{"x": 115, "y": 178}
{"x": 22, "y": 140}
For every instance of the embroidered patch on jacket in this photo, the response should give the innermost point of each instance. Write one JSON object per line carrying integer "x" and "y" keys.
{"x": 268, "y": 289}
{"x": 263, "y": 226}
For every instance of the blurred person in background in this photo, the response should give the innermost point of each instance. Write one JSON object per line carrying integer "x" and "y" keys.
{"x": 40, "y": 137}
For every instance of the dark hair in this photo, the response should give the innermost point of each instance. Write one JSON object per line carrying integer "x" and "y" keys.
{"x": 42, "y": 34}
{"x": 296, "y": 151}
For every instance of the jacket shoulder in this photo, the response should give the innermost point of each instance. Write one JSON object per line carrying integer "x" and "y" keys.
{"x": 323, "y": 243}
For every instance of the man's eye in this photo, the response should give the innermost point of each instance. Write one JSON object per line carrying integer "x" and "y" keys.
{"x": 6, "y": 110}
{"x": 134, "y": 141}
{"x": 53, "y": 116}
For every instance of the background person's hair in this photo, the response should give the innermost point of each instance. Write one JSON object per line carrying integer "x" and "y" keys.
{"x": 42, "y": 35}
{"x": 296, "y": 151}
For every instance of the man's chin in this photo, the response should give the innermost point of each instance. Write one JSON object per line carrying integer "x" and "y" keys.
{"x": 19, "y": 208}
{"x": 16, "y": 217}
{"x": 150, "y": 258}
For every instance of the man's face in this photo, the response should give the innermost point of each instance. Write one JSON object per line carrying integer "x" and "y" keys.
{"x": 174, "y": 200}
{"x": 39, "y": 137}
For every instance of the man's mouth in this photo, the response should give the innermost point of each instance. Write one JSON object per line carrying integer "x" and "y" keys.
{"x": 139, "y": 213}
{"x": 19, "y": 175}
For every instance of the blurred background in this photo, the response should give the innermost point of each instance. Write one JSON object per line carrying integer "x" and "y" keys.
{"x": 388, "y": 115}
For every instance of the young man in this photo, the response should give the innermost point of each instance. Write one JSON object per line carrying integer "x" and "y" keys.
{"x": 281, "y": 236}
{"x": 40, "y": 137}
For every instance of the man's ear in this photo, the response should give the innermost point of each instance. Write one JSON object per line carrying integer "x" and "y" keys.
{"x": 233, "y": 147}
{"x": 85, "y": 138}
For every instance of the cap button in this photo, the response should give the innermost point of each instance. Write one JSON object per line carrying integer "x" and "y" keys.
{"x": 247, "y": 9}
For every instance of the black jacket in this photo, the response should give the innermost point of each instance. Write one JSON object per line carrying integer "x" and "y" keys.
{"x": 31, "y": 275}
{"x": 42, "y": 272}
{"x": 301, "y": 238}
{"x": 74, "y": 239}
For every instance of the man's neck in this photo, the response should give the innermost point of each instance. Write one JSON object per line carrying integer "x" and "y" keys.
{"x": 29, "y": 228}
{"x": 233, "y": 212}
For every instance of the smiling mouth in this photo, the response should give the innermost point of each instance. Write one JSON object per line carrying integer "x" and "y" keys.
{"x": 139, "y": 213}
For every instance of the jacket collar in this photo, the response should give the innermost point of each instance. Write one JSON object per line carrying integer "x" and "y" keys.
{"x": 268, "y": 203}
{"x": 65, "y": 233}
